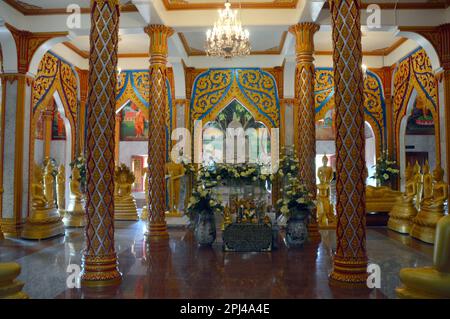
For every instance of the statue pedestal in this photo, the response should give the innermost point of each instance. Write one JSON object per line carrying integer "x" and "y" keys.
{"x": 144, "y": 213}
{"x": 424, "y": 227}
{"x": 10, "y": 288}
{"x": 401, "y": 216}
{"x": 381, "y": 199}
{"x": 125, "y": 209}
{"x": 75, "y": 215}
{"x": 44, "y": 223}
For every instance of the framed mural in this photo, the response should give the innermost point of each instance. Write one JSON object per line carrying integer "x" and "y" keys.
{"x": 58, "y": 127}
{"x": 325, "y": 129}
{"x": 134, "y": 125}
{"x": 420, "y": 122}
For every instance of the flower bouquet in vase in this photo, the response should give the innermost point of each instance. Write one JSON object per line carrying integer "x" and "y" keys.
{"x": 296, "y": 205}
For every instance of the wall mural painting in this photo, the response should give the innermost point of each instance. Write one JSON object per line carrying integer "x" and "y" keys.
{"x": 134, "y": 125}
{"x": 374, "y": 106}
{"x": 420, "y": 122}
{"x": 325, "y": 128}
{"x": 133, "y": 89}
{"x": 58, "y": 127}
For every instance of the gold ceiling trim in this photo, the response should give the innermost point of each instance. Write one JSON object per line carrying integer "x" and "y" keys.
{"x": 85, "y": 54}
{"x": 404, "y": 5}
{"x": 171, "y": 5}
{"x": 377, "y": 52}
{"x": 190, "y": 51}
{"x": 29, "y": 10}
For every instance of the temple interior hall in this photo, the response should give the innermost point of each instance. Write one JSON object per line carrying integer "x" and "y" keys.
{"x": 216, "y": 149}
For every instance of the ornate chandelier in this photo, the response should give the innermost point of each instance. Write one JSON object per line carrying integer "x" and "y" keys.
{"x": 227, "y": 39}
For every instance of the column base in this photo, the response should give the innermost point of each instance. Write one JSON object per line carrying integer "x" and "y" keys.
{"x": 349, "y": 272}
{"x": 157, "y": 231}
{"x": 100, "y": 272}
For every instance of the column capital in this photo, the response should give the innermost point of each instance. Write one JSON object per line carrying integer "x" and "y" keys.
{"x": 102, "y": 2}
{"x": 159, "y": 34}
{"x": 304, "y": 37}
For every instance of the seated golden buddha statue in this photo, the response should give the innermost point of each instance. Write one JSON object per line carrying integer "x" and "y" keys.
{"x": 124, "y": 202}
{"x": 49, "y": 184}
{"x": 324, "y": 208}
{"x": 430, "y": 282}
{"x": 144, "y": 213}
{"x": 75, "y": 213}
{"x": 45, "y": 220}
{"x": 431, "y": 208}
{"x": 175, "y": 172}
{"x": 61, "y": 189}
{"x": 401, "y": 215}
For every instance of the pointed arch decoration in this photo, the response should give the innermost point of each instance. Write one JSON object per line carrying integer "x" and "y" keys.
{"x": 374, "y": 102}
{"x": 254, "y": 88}
{"x": 415, "y": 72}
{"x": 56, "y": 75}
{"x": 134, "y": 85}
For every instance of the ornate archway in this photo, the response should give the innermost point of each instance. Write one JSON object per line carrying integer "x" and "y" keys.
{"x": 415, "y": 73}
{"x": 254, "y": 88}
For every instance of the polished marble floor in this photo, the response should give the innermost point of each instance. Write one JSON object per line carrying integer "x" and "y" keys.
{"x": 179, "y": 269}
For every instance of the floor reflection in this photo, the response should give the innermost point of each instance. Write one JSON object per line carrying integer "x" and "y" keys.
{"x": 178, "y": 268}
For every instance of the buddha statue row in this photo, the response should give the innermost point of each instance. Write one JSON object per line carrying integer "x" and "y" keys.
{"x": 432, "y": 194}
{"x": 421, "y": 206}
{"x": 45, "y": 219}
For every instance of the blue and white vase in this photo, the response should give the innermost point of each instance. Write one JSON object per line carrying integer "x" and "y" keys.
{"x": 205, "y": 229}
{"x": 296, "y": 228}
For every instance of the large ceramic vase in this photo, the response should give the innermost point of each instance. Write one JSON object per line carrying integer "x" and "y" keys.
{"x": 296, "y": 228}
{"x": 205, "y": 229}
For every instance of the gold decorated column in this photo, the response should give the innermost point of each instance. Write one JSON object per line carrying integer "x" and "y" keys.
{"x": 304, "y": 111}
{"x": 305, "y": 130}
{"x": 99, "y": 263}
{"x": 117, "y": 137}
{"x": 350, "y": 259}
{"x": 48, "y": 121}
{"x": 157, "y": 227}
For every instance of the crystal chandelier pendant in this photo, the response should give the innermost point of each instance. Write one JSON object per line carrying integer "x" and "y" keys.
{"x": 227, "y": 38}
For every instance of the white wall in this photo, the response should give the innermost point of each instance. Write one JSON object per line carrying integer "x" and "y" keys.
{"x": 38, "y": 151}
{"x": 58, "y": 151}
{"x": 423, "y": 143}
{"x": 128, "y": 149}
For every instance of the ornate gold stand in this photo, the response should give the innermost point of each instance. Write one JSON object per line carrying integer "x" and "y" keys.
{"x": 402, "y": 214}
{"x": 9, "y": 287}
{"x": 424, "y": 227}
{"x": 430, "y": 282}
{"x": 124, "y": 202}
{"x": 44, "y": 221}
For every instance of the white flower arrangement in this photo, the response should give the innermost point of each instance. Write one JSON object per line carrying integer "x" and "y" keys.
{"x": 385, "y": 169}
{"x": 296, "y": 198}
